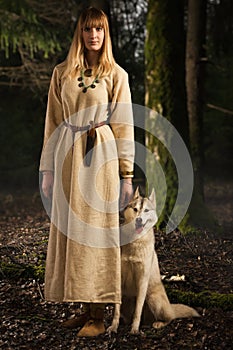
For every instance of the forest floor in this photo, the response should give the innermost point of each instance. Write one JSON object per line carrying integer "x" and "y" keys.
{"x": 204, "y": 258}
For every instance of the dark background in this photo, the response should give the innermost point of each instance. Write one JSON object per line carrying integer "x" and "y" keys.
{"x": 36, "y": 36}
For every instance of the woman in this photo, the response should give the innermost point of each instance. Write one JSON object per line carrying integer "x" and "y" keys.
{"x": 88, "y": 147}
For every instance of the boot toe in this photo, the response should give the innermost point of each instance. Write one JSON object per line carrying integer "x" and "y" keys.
{"x": 77, "y": 321}
{"x": 92, "y": 328}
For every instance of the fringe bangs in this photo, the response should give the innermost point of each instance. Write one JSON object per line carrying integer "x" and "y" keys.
{"x": 97, "y": 22}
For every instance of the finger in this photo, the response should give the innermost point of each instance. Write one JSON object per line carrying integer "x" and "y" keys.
{"x": 122, "y": 203}
{"x": 46, "y": 192}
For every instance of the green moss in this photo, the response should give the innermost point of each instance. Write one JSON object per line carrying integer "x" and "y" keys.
{"x": 204, "y": 299}
{"x": 14, "y": 271}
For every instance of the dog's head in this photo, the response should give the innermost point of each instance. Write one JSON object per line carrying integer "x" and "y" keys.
{"x": 141, "y": 212}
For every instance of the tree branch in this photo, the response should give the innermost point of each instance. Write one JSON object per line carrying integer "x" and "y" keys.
{"x": 220, "y": 109}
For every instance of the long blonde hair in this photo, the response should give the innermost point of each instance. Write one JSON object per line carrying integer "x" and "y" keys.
{"x": 75, "y": 60}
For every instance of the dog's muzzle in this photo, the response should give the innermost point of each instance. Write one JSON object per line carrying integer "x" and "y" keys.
{"x": 138, "y": 225}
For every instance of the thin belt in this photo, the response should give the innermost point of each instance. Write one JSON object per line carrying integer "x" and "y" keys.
{"x": 91, "y": 136}
{"x": 90, "y": 126}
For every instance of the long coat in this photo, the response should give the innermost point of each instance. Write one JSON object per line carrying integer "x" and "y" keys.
{"x": 83, "y": 257}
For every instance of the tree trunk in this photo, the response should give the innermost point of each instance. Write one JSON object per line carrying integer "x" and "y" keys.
{"x": 198, "y": 214}
{"x": 165, "y": 86}
{"x": 196, "y": 33}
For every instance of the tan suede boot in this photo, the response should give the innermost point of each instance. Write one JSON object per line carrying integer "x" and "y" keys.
{"x": 95, "y": 326}
{"x": 79, "y": 320}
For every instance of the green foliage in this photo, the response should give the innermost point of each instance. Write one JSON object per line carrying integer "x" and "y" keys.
{"x": 22, "y": 27}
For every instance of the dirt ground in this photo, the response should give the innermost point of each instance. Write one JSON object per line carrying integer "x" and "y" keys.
{"x": 205, "y": 260}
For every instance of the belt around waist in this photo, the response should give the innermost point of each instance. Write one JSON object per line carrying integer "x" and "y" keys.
{"x": 90, "y": 126}
{"x": 91, "y": 136}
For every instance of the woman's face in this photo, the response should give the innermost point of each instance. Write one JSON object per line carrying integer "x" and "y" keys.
{"x": 93, "y": 38}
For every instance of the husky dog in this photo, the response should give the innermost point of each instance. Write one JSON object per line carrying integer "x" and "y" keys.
{"x": 141, "y": 280}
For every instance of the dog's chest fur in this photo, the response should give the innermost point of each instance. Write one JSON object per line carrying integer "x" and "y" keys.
{"x": 136, "y": 260}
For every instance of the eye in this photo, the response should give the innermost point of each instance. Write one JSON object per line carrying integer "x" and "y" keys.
{"x": 146, "y": 210}
{"x": 99, "y": 29}
{"x": 135, "y": 209}
{"x": 86, "y": 29}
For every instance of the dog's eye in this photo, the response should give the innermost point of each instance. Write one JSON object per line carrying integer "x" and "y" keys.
{"x": 135, "y": 209}
{"x": 146, "y": 210}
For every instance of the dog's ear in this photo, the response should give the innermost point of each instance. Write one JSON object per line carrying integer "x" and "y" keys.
{"x": 152, "y": 197}
{"x": 136, "y": 193}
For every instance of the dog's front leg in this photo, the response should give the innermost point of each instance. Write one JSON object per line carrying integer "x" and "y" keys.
{"x": 116, "y": 320}
{"x": 141, "y": 296}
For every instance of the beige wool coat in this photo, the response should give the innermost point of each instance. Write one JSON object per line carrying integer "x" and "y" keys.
{"x": 83, "y": 257}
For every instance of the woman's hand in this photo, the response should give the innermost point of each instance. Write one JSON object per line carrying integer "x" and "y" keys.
{"x": 47, "y": 184}
{"x": 126, "y": 192}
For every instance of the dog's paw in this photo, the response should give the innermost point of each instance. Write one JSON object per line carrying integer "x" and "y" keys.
{"x": 134, "y": 331}
{"x": 112, "y": 328}
{"x": 159, "y": 324}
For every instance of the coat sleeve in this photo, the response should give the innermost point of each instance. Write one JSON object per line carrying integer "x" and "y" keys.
{"x": 121, "y": 122}
{"x": 54, "y": 118}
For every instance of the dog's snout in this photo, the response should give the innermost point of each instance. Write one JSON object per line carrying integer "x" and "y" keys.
{"x": 138, "y": 220}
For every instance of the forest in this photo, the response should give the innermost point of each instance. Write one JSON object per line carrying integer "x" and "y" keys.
{"x": 178, "y": 55}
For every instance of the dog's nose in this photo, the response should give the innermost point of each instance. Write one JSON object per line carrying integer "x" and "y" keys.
{"x": 138, "y": 221}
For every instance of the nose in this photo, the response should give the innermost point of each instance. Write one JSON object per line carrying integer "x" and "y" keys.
{"x": 93, "y": 32}
{"x": 138, "y": 221}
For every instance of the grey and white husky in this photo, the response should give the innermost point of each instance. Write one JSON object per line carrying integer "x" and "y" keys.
{"x": 141, "y": 280}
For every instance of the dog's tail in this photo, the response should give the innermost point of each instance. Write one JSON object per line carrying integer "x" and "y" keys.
{"x": 183, "y": 311}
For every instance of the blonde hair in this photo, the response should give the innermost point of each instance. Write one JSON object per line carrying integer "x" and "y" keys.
{"x": 75, "y": 60}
